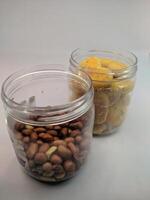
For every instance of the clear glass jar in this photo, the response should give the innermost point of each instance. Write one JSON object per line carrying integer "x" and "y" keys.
{"x": 49, "y": 126}
{"x": 112, "y": 90}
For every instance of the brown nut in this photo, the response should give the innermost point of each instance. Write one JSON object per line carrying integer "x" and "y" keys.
{"x": 39, "y": 142}
{"x": 59, "y": 142}
{"x": 76, "y": 132}
{"x": 60, "y": 175}
{"x": 34, "y": 137}
{"x": 69, "y": 166}
{"x": 40, "y": 158}
{"x": 19, "y": 126}
{"x": 41, "y": 135}
{"x": 57, "y": 127}
{"x": 55, "y": 159}
{"x": 52, "y": 132}
{"x": 78, "y": 139}
{"x": 58, "y": 168}
{"x": 64, "y": 131}
{"x": 40, "y": 130}
{"x": 73, "y": 148}
{"x": 69, "y": 139}
{"x": 56, "y": 138}
{"x": 64, "y": 152}
{"x": 18, "y": 136}
{"x": 44, "y": 147}
{"x": 49, "y": 127}
{"x": 26, "y": 139}
{"x": 27, "y": 131}
{"x": 76, "y": 125}
{"x": 47, "y": 167}
{"x": 47, "y": 137}
{"x": 32, "y": 150}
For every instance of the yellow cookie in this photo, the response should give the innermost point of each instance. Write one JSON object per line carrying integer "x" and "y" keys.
{"x": 125, "y": 86}
{"x": 91, "y": 63}
{"x": 114, "y": 65}
{"x": 105, "y": 62}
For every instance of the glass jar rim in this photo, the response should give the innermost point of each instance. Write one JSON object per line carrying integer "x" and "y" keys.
{"x": 131, "y": 68}
{"x": 53, "y": 68}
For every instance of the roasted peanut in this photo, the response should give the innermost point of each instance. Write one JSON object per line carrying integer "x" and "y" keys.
{"x": 40, "y": 158}
{"x": 64, "y": 152}
{"x": 44, "y": 147}
{"x": 69, "y": 166}
{"x": 55, "y": 159}
{"x": 32, "y": 150}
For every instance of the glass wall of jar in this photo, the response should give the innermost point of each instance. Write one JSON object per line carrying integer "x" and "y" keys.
{"x": 113, "y": 75}
{"x": 49, "y": 125}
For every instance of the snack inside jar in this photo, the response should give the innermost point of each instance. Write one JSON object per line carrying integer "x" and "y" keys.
{"x": 50, "y": 128}
{"x": 113, "y": 77}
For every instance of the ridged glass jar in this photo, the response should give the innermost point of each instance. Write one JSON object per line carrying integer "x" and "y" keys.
{"x": 112, "y": 96}
{"x": 50, "y": 126}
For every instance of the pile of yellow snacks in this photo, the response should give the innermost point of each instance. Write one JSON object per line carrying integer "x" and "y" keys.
{"x": 111, "y": 94}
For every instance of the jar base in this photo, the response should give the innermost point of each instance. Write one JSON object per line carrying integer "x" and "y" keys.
{"x": 97, "y": 133}
{"x": 46, "y": 179}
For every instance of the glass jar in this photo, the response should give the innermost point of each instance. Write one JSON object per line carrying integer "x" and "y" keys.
{"x": 49, "y": 126}
{"x": 113, "y": 75}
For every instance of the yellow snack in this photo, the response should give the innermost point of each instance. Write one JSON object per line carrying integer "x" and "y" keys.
{"x": 91, "y": 63}
{"x": 125, "y": 86}
{"x": 100, "y": 73}
{"x": 105, "y": 62}
{"x": 114, "y": 65}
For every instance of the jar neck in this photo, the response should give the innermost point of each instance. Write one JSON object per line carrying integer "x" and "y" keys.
{"x": 28, "y": 113}
{"x": 127, "y": 58}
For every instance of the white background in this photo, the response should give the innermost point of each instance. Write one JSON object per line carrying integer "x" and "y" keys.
{"x": 46, "y": 31}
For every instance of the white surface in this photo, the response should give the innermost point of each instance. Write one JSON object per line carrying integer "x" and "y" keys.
{"x": 34, "y": 32}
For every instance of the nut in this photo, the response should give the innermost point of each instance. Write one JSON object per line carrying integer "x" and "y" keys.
{"x": 47, "y": 167}
{"x": 44, "y": 147}
{"x": 39, "y": 142}
{"x": 32, "y": 150}
{"x": 76, "y": 132}
{"x": 18, "y": 136}
{"x": 50, "y": 151}
{"x": 34, "y": 137}
{"x": 40, "y": 130}
{"x": 76, "y": 125}
{"x": 74, "y": 149}
{"x": 26, "y": 139}
{"x": 40, "y": 158}
{"x": 19, "y": 126}
{"x": 29, "y": 127}
{"x": 57, "y": 127}
{"x": 69, "y": 139}
{"x": 69, "y": 166}
{"x": 59, "y": 142}
{"x": 64, "y": 131}
{"x": 47, "y": 137}
{"x": 27, "y": 131}
{"x": 64, "y": 152}
{"x": 78, "y": 139}
{"x": 55, "y": 159}
{"x": 52, "y": 132}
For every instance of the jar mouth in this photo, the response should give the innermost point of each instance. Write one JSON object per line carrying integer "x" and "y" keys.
{"x": 61, "y": 111}
{"x": 129, "y": 58}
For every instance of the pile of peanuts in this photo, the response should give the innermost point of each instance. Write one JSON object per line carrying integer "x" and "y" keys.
{"x": 53, "y": 152}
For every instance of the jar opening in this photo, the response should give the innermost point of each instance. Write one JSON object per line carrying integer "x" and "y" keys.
{"x": 46, "y": 91}
{"x": 127, "y": 58}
